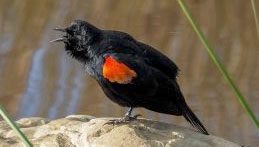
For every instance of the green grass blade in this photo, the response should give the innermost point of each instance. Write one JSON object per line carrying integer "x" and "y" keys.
{"x": 12, "y": 124}
{"x": 217, "y": 62}
{"x": 256, "y": 17}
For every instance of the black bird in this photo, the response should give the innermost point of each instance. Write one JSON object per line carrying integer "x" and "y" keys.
{"x": 131, "y": 73}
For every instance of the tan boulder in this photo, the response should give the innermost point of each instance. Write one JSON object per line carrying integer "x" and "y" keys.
{"x": 84, "y": 131}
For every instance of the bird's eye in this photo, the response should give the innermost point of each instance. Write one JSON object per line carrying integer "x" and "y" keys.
{"x": 70, "y": 32}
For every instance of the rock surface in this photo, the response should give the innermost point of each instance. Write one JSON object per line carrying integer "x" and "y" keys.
{"x": 83, "y": 131}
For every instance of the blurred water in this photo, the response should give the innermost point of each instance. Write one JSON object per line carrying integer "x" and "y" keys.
{"x": 32, "y": 97}
{"x": 39, "y": 79}
{"x": 61, "y": 91}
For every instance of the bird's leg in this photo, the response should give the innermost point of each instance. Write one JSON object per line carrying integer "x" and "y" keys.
{"x": 128, "y": 113}
{"x": 127, "y": 117}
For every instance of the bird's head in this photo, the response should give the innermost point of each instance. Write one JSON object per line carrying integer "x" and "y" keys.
{"x": 78, "y": 37}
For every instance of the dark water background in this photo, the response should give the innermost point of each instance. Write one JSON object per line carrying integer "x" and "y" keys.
{"x": 38, "y": 79}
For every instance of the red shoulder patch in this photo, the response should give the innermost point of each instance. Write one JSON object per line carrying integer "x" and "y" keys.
{"x": 116, "y": 71}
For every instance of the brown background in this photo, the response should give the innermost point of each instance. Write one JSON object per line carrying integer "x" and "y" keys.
{"x": 38, "y": 79}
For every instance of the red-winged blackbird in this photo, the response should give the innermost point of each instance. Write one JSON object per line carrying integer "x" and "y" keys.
{"x": 131, "y": 73}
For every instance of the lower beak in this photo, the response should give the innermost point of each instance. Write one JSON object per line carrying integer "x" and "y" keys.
{"x": 58, "y": 40}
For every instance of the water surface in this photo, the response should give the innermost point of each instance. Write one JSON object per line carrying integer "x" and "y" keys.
{"x": 39, "y": 79}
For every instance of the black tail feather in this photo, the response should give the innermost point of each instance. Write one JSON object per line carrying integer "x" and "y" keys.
{"x": 187, "y": 112}
{"x": 192, "y": 119}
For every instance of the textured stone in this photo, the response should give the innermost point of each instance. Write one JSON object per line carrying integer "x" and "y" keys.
{"x": 84, "y": 131}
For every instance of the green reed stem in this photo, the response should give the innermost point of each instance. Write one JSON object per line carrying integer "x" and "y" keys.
{"x": 217, "y": 62}
{"x": 256, "y": 17}
{"x": 13, "y": 125}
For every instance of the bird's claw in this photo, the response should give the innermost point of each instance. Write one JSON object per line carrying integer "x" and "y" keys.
{"x": 135, "y": 117}
{"x": 124, "y": 119}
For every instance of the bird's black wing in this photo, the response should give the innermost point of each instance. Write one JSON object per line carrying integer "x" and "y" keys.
{"x": 159, "y": 61}
{"x": 144, "y": 72}
{"x": 123, "y": 42}
{"x": 134, "y": 82}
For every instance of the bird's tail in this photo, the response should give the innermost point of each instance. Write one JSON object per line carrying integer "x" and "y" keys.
{"x": 191, "y": 118}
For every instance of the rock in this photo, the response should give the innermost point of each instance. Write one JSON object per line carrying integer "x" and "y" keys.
{"x": 84, "y": 131}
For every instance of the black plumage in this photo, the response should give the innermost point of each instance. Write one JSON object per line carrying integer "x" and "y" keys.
{"x": 132, "y": 74}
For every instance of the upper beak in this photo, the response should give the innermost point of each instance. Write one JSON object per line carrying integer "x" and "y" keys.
{"x": 60, "y": 29}
{"x": 61, "y": 39}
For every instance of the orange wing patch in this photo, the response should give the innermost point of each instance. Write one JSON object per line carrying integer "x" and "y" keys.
{"x": 118, "y": 72}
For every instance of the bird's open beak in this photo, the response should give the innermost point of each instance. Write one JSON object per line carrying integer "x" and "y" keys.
{"x": 61, "y": 39}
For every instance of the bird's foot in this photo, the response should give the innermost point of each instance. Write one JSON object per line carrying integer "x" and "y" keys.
{"x": 124, "y": 119}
